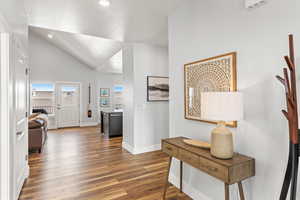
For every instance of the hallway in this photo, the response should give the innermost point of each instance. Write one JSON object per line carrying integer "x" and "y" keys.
{"x": 79, "y": 163}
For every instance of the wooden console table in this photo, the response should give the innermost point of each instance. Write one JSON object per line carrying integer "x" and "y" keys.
{"x": 231, "y": 171}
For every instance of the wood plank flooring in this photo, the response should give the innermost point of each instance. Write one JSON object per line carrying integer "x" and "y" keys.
{"x": 80, "y": 164}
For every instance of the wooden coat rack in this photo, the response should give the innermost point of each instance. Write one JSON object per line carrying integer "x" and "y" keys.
{"x": 291, "y": 114}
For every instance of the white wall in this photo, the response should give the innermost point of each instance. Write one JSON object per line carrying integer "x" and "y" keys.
{"x": 51, "y": 64}
{"x": 128, "y": 110}
{"x": 109, "y": 81}
{"x": 4, "y": 27}
{"x": 151, "y": 118}
{"x": 13, "y": 19}
{"x": 145, "y": 123}
{"x": 201, "y": 29}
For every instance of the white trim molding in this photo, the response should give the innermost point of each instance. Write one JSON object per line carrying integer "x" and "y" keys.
{"x": 25, "y": 175}
{"x": 128, "y": 147}
{"x": 187, "y": 188}
{"x": 139, "y": 150}
{"x": 196, "y": 194}
{"x": 5, "y": 151}
{"x": 87, "y": 124}
{"x": 136, "y": 150}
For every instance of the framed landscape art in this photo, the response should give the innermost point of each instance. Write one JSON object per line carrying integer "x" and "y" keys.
{"x": 104, "y": 92}
{"x": 212, "y": 74}
{"x": 157, "y": 88}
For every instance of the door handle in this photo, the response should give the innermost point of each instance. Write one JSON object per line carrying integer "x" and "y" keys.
{"x": 19, "y": 133}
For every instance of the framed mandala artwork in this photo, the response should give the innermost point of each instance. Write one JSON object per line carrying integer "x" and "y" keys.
{"x": 212, "y": 74}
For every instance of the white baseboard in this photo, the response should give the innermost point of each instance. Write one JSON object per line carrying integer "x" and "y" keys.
{"x": 128, "y": 147}
{"x": 135, "y": 151}
{"x": 25, "y": 175}
{"x": 187, "y": 189}
{"x": 86, "y": 124}
{"x": 155, "y": 147}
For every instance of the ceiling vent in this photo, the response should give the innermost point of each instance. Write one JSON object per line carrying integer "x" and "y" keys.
{"x": 250, "y": 4}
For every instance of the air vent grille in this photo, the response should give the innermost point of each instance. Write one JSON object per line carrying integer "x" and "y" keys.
{"x": 250, "y": 4}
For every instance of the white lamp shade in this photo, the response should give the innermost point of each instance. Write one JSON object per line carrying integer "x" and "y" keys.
{"x": 222, "y": 106}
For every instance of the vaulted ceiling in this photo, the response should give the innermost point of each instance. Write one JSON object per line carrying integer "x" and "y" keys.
{"x": 97, "y": 53}
{"x": 125, "y": 20}
{"x": 79, "y": 25}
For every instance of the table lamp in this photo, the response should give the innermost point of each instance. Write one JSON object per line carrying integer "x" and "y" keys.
{"x": 222, "y": 107}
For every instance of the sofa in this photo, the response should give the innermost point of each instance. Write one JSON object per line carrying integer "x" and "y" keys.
{"x": 37, "y": 132}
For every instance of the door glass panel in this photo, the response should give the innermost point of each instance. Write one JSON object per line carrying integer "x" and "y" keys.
{"x": 69, "y": 95}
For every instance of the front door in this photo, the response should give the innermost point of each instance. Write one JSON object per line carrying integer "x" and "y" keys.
{"x": 68, "y": 104}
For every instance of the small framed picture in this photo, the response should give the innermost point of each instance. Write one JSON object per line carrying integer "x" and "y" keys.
{"x": 157, "y": 88}
{"x": 104, "y": 92}
{"x": 104, "y": 102}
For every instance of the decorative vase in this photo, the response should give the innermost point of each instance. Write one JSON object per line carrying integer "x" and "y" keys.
{"x": 221, "y": 142}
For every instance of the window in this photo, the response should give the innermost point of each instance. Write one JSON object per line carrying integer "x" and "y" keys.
{"x": 42, "y": 96}
{"x": 69, "y": 95}
{"x": 43, "y": 87}
{"x": 118, "y": 88}
{"x": 118, "y": 96}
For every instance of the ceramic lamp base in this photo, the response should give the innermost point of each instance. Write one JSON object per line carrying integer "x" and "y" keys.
{"x": 221, "y": 142}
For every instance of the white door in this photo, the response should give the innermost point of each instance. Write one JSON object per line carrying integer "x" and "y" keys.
{"x": 20, "y": 112}
{"x": 68, "y": 104}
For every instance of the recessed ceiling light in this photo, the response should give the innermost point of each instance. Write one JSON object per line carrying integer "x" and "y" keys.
{"x": 104, "y": 3}
{"x": 50, "y": 36}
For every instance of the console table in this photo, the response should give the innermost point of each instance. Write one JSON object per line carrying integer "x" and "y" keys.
{"x": 230, "y": 171}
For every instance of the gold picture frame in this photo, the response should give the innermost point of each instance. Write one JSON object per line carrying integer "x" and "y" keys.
{"x": 212, "y": 74}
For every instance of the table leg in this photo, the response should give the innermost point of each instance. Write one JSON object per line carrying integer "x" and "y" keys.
{"x": 181, "y": 168}
{"x": 167, "y": 178}
{"x": 226, "y": 191}
{"x": 241, "y": 191}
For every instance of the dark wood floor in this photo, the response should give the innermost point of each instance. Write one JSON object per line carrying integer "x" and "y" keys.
{"x": 80, "y": 164}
